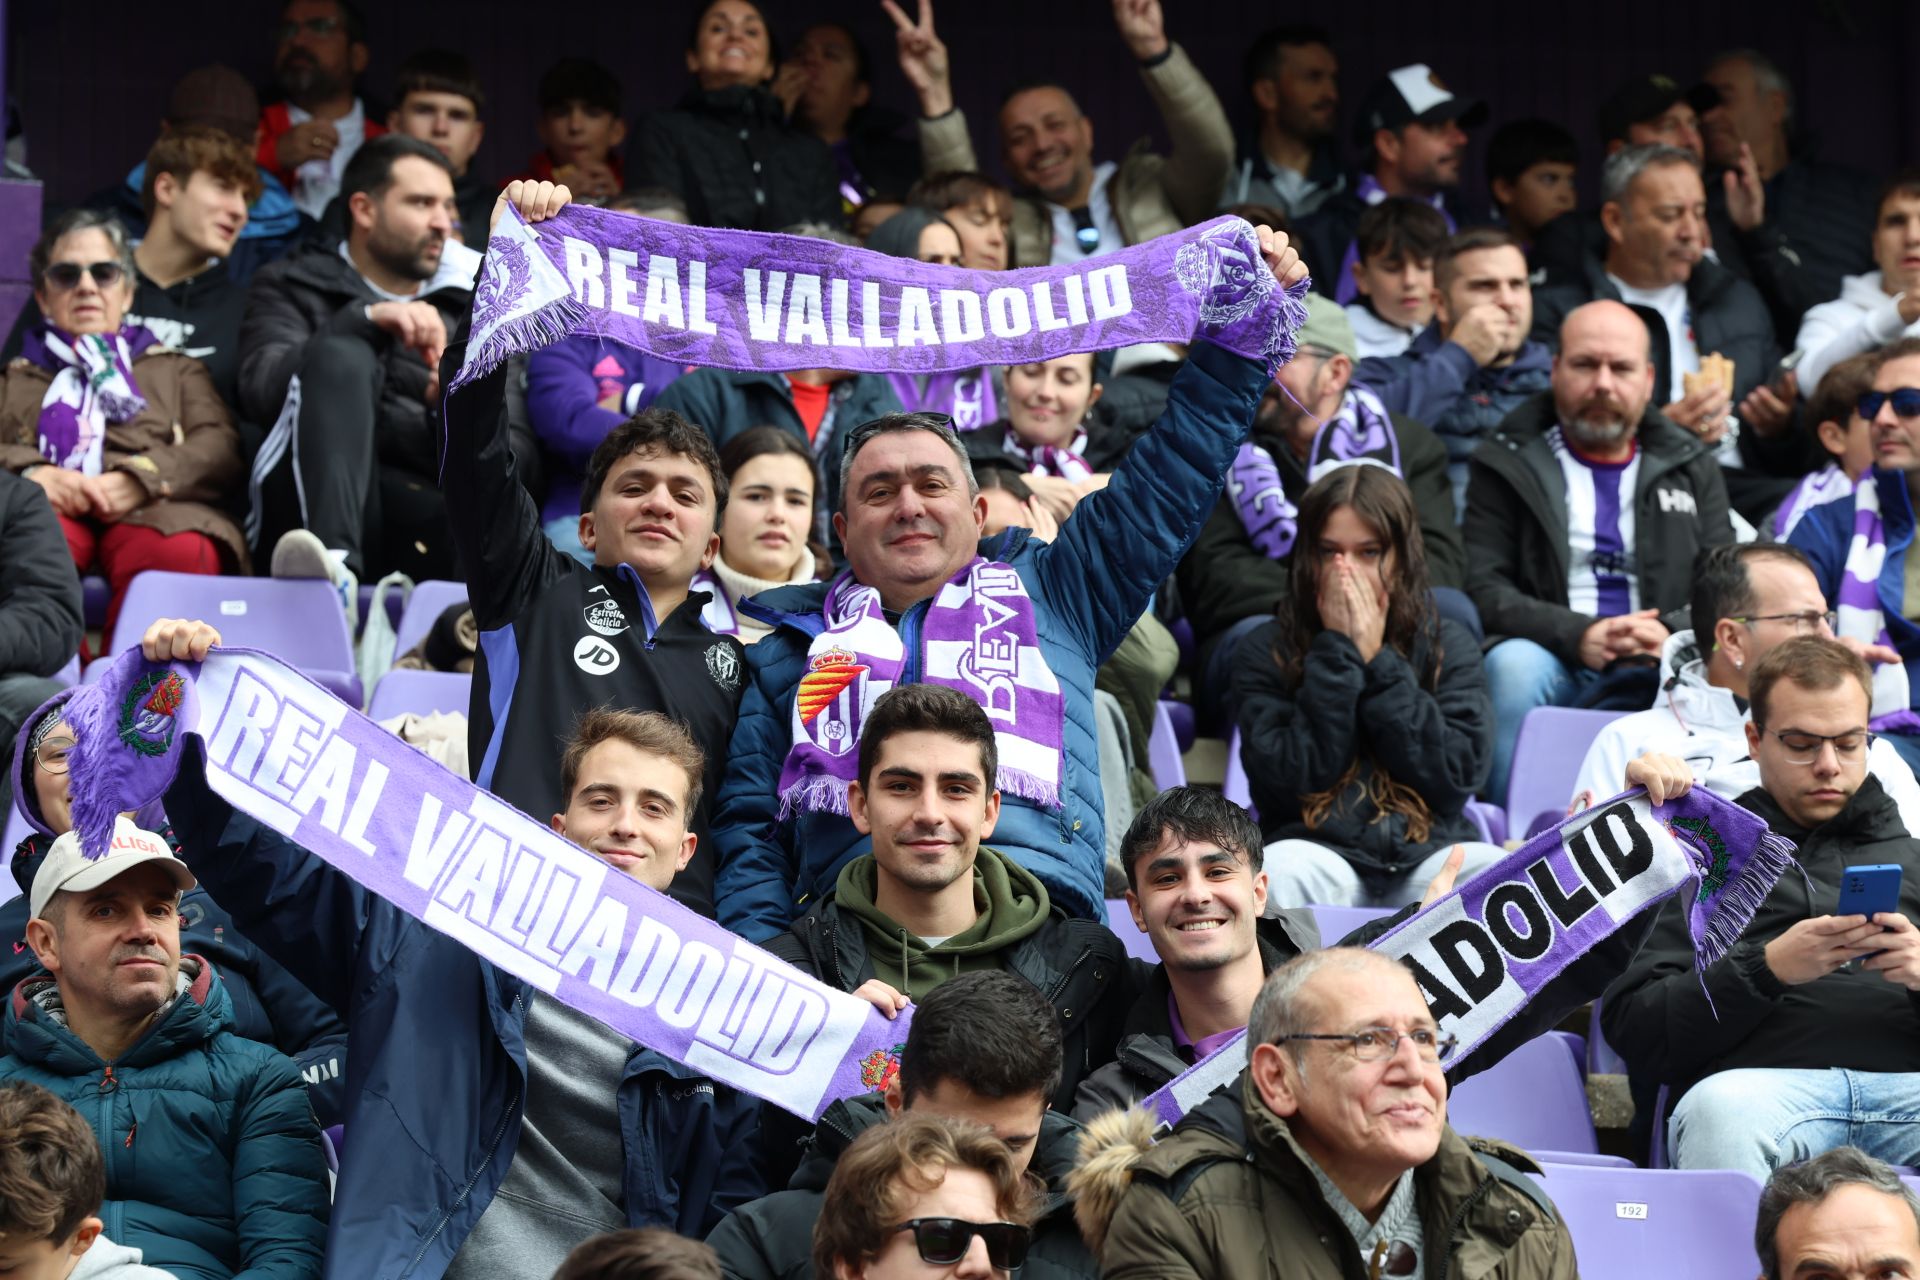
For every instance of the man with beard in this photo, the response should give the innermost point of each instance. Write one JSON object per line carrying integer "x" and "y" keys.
{"x": 1584, "y": 511}
{"x": 340, "y": 351}
{"x": 308, "y": 140}
{"x": 1290, "y": 162}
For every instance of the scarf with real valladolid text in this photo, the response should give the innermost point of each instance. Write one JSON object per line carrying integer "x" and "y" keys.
{"x": 1859, "y": 617}
{"x": 92, "y": 386}
{"x": 978, "y": 636}
{"x": 1359, "y": 432}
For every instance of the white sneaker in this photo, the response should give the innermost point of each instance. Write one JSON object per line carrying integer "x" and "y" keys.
{"x": 299, "y": 554}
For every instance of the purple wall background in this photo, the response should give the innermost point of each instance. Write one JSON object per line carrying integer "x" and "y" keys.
{"x": 90, "y": 79}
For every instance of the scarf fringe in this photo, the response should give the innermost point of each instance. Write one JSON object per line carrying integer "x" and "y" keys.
{"x": 1732, "y": 909}
{"x": 817, "y": 793}
{"x": 107, "y": 778}
{"x": 541, "y": 327}
{"x": 1028, "y": 786}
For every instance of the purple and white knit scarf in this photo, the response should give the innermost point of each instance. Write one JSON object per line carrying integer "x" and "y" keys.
{"x": 1858, "y": 605}
{"x": 92, "y": 386}
{"x": 966, "y": 396}
{"x": 717, "y": 614}
{"x": 979, "y": 638}
{"x": 1359, "y": 433}
{"x": 1065, "y": 462}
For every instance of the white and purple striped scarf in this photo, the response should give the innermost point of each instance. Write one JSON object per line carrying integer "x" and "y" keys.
{"x": 92, "y": 386}
{"x": 1065, "y": 462}
{"x": 1818, "y": 489}
{"x": 1359, "y": 433}
{"x": 979, "y": 638}
{"x": 1860, "y": 618}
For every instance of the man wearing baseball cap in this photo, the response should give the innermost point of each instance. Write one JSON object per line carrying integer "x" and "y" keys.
{"x": 1413, "y": 129}
{"x": 227, "y": 1174}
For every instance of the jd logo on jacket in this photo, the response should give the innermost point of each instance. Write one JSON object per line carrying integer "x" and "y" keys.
{"x": 595, "y": 656}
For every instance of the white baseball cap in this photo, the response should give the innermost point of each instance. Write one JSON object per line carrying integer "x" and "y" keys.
{"x": 65, "y": 867}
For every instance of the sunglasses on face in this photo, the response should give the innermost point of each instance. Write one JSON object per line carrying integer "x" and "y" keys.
{"x": 1906, "y": 403}
{"x": 66, "y": 275}
{"x": 944, "y": 1241}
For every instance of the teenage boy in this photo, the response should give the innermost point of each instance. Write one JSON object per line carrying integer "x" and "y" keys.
{"x": 1845, "y": 437}
{"x": 1530, "y": 175}
{"x": 558, "y": 636}
{"x": 1393, "y": 271}
{"x": 437, "y": 99}
{"x": 579, "y": 127}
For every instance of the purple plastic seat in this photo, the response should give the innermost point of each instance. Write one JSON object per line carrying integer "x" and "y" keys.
{"x": 1584, "y": 1159}
{"x": 1234, "y": 786}
{"x": 1163, "y": 751}
{"x": 299, "y": 621}
{"x": 1535, "y": 1097}
{"x": 1547, "y": 756}
{"x": 1138, "y": 944}
{"x": 1337, "y": 922}
{"x": 421, "y": 692}
{"x": 1658, "y": 1222}
{"x": 1184, "y": 727}
{"x": 428, "y": 601}
{"x": 94, "y": 594}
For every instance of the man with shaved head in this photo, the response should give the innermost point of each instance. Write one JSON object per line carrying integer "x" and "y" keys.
{"x": 1584, "y": 511}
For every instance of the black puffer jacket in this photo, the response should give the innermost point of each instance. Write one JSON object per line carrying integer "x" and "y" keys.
{"x": 732, "y": 156}
{"x": 41, "y": 624}
{"x": 1675, "y": 1025}
{"x": 772, "y": 1238}
{"x": 1516, "y": 532}
{"x": 1300, "y": 738}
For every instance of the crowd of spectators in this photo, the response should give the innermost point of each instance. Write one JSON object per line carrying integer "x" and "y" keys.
{"x": 1653, "y": 452}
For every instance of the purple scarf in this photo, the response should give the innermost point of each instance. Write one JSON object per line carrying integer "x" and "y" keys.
{"x": 92, "y": 386}
{"x": 285, "y": 751}
{"x": 1345, "y": 290}
{"x": 979, "y": 638}
{"x": 1359, "y": 432}
{"x": 747, "y": 300}
{"x": 1857, "y": 604}
{"x": 1066, "y": 462}
{"x": 1484, "y": 951}
{"x": 965, "y": 396}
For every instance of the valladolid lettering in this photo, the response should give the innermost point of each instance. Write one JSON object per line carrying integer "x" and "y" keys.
{"x": 749, "y": 300}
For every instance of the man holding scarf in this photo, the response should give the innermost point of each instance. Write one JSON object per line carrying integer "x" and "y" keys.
{"x": 1019, "y": 625}
{"x": 1310, "y": 419}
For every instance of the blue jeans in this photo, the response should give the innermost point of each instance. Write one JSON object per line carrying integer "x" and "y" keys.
{"x": 1522, "y": 675}
{"x": 1757, "y": 1119}
{"x": 1302, "y": 873}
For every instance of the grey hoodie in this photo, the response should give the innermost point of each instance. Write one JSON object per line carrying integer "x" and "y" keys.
{"x": 109, "y": 1261}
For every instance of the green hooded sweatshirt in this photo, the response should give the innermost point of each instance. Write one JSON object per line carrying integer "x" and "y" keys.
{"x": 1011, "y": 903}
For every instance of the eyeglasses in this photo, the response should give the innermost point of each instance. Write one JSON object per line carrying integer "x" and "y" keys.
{"x": 66, "y": 275}
{"x": 1906, "y": 403}
{"x": 1085, "y": 233}
{"x": 944, "y": 1241}
{"x": 1804, "y": 748}
{"x": 1803, "y": 623}
{"x": 1390, "y": 1258}
{"x": 1377, "y": 1044}
{"x": 52, "y": 754}
{"x": 321, "y": 27}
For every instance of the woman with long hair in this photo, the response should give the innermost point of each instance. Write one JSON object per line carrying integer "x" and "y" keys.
{"x": 1364, "y": 717}
{"x": 765, "y": 531}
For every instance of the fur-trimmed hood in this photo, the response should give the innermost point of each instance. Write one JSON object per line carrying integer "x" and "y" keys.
{"x": 1109, "y": 1146}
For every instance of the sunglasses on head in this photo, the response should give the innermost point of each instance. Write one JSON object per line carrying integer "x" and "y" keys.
{"x": 1906, "y": 403}
{"x": 1085, "y": 232}
{"x": 66, "y": 275}
{"x": 944, "y": 1241}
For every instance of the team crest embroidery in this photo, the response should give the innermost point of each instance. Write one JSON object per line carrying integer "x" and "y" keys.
{"x": 146, "y": 713}
{"x": 830, "y": 695}
{"x": 878, "y": 1069}
{"x": 606, "y": 617}
{"x": 723, "y": 664}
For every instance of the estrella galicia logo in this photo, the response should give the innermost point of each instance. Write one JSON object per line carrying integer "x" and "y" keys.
{"x": 146, "y": 713}
{"x": 606, "y": 617}
{"x": 723, "y": 664}
{"x": 595, "y": 656}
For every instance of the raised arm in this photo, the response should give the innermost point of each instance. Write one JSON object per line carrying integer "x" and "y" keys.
{"x": 1202, "y": 153}
{"x": 944, "y": 143}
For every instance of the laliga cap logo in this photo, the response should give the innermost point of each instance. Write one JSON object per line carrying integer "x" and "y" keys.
{"x": 67, "y": 868}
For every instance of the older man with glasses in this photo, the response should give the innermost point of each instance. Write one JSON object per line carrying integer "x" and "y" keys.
{"x": 1338, "y": 1134}
{"x": 1801, "y": 1036}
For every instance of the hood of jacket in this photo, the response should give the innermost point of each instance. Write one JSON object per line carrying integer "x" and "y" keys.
{"x": 321, "y": 266}
{"x": 1012, "y": 903}
{"x": 24, "y": 797}
{"x": 1863, "y": 292}
{"x": 36, "y": 1023}
{"x": 1700, "y": 704}
{"x": 1870, "y": 815}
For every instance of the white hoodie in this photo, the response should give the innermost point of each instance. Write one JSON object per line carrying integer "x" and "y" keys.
{"x": 1863, "y": 318}
{"x": 109, "y": 1261}
{"x": 1703, "y": 725}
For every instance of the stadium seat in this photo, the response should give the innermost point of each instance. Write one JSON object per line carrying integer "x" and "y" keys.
{"x": 1546, "y": 759}
{"x": 1185, "y": 727}
{"x": 1234, "y": 787}
{"x": 1535, "y": 1097}
{"x": 428, "y": 601}
{"x": 1490, "y": 818}
{"x": 1337, "y": 922}
{"x": 421, "y": 692}
{"x": 298, "y": 621}
{"x": 1601, "y": 1058}
{"x": 1163, "y": 751}
{"x": 94, "y": 595}
{"x": 1658, "y": 1222}
{"x": 1584, "y": 1159}
{"x": 1138, "y": 944}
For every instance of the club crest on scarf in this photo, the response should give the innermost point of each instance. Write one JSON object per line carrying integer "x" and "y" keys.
{"x": 509, "y": 275}
{"x": 831, "y": 694}
{"x": 1225, "y": 269}
{"x": 881, "y": 1067}
{"x": 147, "y": 711}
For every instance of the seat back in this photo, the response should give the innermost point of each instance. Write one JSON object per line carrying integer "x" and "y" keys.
{"x": 1234, "y": 787}
{"x": 421, "y": 692}
{"x": 297, "y": 620}
{"x": 1696, "y": 1223}
{"x": 1535, "y": 1097}
{"x": 424, "y": 607}
{"x": 1337, "y": 922}
{"x": 1163, "y": 751}
{"x": 1547, "y": 755}
{"x": 1138, "y": 944}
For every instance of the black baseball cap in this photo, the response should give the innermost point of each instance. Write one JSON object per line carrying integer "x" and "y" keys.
{"x": 1647, "y": 96}
{"x": 1413, "y": 94}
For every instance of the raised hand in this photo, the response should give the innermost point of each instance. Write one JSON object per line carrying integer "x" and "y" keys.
{"x": 1746, "y": 195}
{"x": 1142, "y": 26}
{"x": 536, "y": 201}
{"x": 1281, "y": 257}
{"x": 923, "y": 58}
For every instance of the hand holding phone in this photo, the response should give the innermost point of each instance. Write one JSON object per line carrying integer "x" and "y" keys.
{"x": 1868, "y": 890}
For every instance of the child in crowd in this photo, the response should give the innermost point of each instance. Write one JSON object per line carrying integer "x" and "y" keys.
{"x": 52, "y": 1182}
{"x": 1847, "y": 437}
{"x": 764, "y": 530}
{"x": 1393, "y": 270}
{"x": 1530, "y": 173}
{"x": 580, "y": 127}
{"x": 980, "y": 209}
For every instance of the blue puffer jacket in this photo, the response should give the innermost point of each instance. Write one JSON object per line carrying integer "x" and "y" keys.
{"x": 214, "y": 1164}
{"x": 436, "y": 1084}
{"x": 1825, "y": 534}
{"x": 1435, "y": 381}
{"x": 1089, "y": 587}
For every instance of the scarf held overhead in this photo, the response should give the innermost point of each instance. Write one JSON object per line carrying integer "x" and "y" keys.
{"x": 749, "y": 300}
{"x": 1486, "y": 949}
{"x": 285, "y": 751}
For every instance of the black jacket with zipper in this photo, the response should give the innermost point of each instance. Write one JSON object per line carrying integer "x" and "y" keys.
{"x": 732, "y": 156}
{"x": 558, "y": 637}
{"x": 1516, "y": 533}
{"x": 1676, "y": 1026}
{"x": 772, "y": 1238}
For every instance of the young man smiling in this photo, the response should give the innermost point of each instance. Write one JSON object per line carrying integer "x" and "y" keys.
{"x": 558, "y": 636}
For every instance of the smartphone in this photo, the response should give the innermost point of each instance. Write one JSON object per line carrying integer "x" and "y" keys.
{"x": 1869, "y": 890}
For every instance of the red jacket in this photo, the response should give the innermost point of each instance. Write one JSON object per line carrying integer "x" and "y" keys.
{"x": 273, "y": 123}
